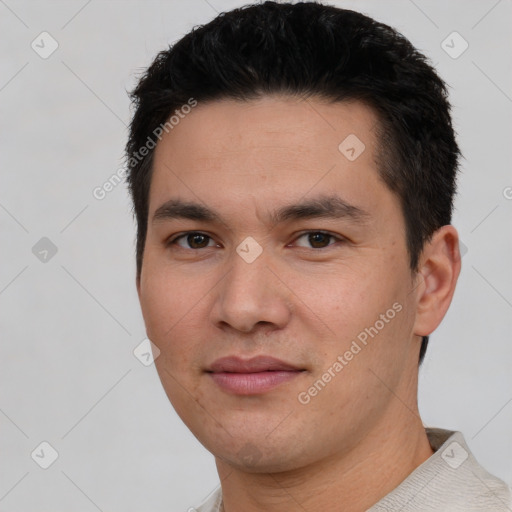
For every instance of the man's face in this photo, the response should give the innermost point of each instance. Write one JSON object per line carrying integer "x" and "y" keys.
{"x": 329, "y": 295}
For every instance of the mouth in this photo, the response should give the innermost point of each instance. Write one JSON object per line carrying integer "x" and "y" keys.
{"x": 253, "y": 376}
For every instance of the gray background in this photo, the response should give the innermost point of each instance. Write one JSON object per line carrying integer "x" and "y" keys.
{"x": 70, "y": 324}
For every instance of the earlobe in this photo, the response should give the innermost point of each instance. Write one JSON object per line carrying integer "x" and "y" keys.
{"x": 438, "y": 273}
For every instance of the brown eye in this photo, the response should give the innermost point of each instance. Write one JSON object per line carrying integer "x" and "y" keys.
{"x": 317, "y": 239}
{"x": 197, "y": 240}
{"x": 194, "y": 240}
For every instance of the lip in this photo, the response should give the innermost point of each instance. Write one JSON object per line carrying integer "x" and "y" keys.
{"x": 251, "y": 376}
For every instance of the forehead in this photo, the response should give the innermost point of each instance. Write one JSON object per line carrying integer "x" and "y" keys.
{"x": 272, "y": 122}
{"x": 274, "y": 146}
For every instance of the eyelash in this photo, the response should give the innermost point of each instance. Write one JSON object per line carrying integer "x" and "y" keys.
{"x": 310, "y": 232}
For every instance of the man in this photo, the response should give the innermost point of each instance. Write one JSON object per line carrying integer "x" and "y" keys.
{"x": 293, "y": 169}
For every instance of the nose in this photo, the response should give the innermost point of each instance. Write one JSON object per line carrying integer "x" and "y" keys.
{"x": 251, "y": 294}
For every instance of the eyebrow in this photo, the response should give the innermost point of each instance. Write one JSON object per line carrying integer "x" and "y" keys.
{"x": 326, "y": 206}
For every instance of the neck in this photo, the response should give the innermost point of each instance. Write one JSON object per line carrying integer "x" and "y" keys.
{"x": 352, "y": 482}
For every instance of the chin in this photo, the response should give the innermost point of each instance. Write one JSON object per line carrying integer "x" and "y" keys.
{"x": 257, "y": 456}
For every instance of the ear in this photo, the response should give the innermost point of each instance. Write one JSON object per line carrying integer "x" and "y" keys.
{"x": 439, "y": 269}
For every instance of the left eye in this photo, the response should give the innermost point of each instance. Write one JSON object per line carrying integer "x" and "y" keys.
{"x": 317, "y": 239}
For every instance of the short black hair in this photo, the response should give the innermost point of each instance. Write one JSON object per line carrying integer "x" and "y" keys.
{"x": 308, "y": 49}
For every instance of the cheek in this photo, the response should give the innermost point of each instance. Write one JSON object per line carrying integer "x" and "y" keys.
{"x": 369, "y": 318}
{"x": 175, "y": 306}
{"x": 348, "y": 302}
{"x": 156, "y": 301}
{"x": 167, "y": 317}
{"x": 164, "y": 303}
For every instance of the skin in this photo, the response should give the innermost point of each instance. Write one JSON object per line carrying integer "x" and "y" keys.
{"x": 301, "y": 301}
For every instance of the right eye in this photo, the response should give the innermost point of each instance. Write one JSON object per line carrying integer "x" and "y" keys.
{"x": 194, "y": 240}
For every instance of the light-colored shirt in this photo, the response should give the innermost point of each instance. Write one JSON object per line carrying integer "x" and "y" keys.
{"x": 450, "y": 480}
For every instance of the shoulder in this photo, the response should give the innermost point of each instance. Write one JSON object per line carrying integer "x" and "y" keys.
{"x": 451, "y": 480}
{"x": 211, "y": 504}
